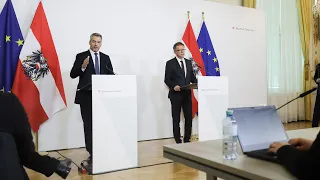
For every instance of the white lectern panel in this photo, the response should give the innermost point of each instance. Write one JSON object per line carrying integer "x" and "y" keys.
{"x": 212, "y": 104}
{"x": 114, "y": 122}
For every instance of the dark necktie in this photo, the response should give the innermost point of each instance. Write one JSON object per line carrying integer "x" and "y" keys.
{"x": 182, "y": 67}
{"x": 96, "y": 63}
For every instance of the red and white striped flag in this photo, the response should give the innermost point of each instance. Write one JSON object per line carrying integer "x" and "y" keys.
{"x": 190, "y": 41}
{"x": 38, "y": 83}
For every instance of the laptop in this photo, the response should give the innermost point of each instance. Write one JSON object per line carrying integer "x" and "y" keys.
{"x": 258, "y": 127}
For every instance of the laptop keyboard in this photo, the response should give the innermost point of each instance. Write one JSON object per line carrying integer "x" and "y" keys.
{"x": 265, "y": 151}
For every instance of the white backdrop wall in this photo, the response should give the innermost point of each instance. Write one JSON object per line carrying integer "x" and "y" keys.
{"x": 138, "y": 36}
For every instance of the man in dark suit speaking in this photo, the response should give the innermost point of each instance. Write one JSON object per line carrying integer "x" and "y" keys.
{"x": 179, "y": 73}
{"x": 88, "y": 63}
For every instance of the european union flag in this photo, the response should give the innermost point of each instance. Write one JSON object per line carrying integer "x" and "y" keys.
{"x": 11, "y": 42}
{"x": 208, "y": 54}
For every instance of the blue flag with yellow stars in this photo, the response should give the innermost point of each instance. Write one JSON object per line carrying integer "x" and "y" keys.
{"x": 11, "y": 42}
{"x": 208, "y": 54}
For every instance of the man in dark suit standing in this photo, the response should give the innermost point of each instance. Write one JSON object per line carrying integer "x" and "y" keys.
{"x": 178, "y": 73}
{"x": 86, "y": 64}
{"x": 316, "y": 110}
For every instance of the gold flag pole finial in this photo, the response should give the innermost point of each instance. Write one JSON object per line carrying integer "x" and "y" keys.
{"x": 188, "y": 15}
{"x": 202, "y": 16}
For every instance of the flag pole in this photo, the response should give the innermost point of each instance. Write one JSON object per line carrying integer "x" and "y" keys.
{"x": 37, "y": 142}
{"x": 202, "y": 16}
{"x": 194, "y": 137}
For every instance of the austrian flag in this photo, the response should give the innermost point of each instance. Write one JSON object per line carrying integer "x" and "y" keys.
{"x": 38, "y": 83}
{"x": 190, "y": 41}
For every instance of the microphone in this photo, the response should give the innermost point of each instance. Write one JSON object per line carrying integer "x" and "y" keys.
{"x": 300, "y": 96}
{"x": 307, "y": 92}
{"x": 90, "y": 82}
{"x": 199, "y": 66}
{"x": 111, "y": 71}
{"x": 193, "y": 62}
{"x": 84, "y": 87}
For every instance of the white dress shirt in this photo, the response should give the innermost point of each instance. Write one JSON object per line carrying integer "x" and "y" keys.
{"x": 184, "y": 64}
{"x": 93, "y": 59}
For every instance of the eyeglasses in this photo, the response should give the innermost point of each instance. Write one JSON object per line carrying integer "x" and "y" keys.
{"x": 180, "y": 50}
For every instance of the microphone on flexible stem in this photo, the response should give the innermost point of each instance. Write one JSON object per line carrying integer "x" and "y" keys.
{"x": 300, "y": 96}
{"x": 201, "y": 68}
{"x": 198, "y": 66}
{"x": 193, "y": 62}
{"x": 90, "y": 83}
{"x": 83, "y": 87}
{"x": 111, "y": 71}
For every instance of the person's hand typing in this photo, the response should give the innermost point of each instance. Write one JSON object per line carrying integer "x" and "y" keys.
{"x": 274, "y": 147}
{"x": 301, "y": 144}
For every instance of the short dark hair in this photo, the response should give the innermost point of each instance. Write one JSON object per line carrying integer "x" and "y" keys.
{"x": 177, "y": 44}
{"x": 95, "y": 34}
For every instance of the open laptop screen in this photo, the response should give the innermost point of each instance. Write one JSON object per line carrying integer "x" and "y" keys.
{"x": 258, "y": 127}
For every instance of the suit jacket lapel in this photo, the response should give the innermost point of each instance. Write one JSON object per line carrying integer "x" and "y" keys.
{"x": 91, "y": 65}
{"x": 102, "y": 65}
{"x": 187, "y": 67}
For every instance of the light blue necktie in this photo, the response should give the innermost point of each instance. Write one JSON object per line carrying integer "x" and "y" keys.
{"x": 96, "y": 63}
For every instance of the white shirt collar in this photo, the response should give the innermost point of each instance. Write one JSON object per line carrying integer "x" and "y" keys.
{"x": 92, "y": 53}
{"x": 179, "y": 59}
{"x": 184, "y": 64}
